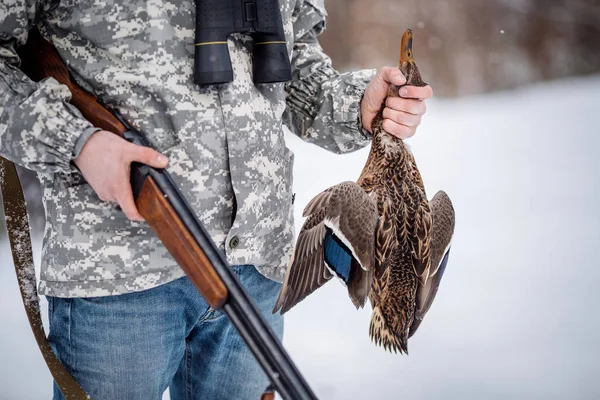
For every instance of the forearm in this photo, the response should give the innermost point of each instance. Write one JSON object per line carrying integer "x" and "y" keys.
{"x": 39, "y": 129}
{"x": 325, "y": 109}
{"x": 323, "y": 105}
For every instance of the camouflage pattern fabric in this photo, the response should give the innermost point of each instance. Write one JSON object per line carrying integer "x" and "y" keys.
{"x": 224, "y": 142}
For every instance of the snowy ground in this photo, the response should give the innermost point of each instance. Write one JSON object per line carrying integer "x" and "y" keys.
{"x": 516, "y": 314}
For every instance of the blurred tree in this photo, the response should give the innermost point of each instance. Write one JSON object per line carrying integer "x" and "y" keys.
{"x": 469, "y": 46}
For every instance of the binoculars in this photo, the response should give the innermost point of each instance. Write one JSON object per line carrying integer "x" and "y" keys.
{"x": 261, "y": 19}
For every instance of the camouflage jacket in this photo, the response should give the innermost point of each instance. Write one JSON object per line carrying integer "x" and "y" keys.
{"x": 224, "y": 142}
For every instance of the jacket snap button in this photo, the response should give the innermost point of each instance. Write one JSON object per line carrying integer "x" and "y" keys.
{"x": 234, "y": 242}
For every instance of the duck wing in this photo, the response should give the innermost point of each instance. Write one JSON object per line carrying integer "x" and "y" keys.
{"x": 337, "y": 238}
{"x": 442, "y": 232}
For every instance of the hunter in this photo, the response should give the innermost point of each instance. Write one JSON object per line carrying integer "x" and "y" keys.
{"x": 124, "y": 318}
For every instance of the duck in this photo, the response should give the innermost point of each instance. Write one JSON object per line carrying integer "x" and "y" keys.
{"x": 380, "y": 236}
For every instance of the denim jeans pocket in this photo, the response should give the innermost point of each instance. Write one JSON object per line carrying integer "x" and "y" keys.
{"x": 212, "y": 314}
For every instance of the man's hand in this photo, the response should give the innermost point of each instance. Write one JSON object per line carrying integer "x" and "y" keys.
{"x": 402, "y": 115}
{"x": 105, "y": 162}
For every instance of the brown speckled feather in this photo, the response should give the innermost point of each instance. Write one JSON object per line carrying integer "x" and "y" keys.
{"x": 351, "y": 214}
{"x": 443, "y": 229}
{"x": 403, "y": 238}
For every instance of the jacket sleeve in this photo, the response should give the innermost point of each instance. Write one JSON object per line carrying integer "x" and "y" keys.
{"x": 323, "y": 106}
{"x": 39, "y": 128}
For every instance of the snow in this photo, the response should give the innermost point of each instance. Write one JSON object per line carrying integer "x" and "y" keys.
{"x": 23, "y": 372}
{"x": 515, "y": 316}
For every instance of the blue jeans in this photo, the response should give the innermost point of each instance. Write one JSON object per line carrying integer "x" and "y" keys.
{"x": 134, "y": 346}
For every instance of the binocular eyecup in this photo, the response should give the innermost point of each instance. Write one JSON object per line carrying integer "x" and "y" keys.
{"x": 261, "y": 19}
{"x": 212, "y": 64}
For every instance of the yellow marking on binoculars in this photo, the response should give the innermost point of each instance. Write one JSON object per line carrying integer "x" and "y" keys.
{"x": 256, "y": 44}
{"x": 275, "y": 42}
{"x": 209, "y": 43}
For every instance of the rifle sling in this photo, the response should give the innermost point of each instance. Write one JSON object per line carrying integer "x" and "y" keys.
{"x": 17, "y": 225}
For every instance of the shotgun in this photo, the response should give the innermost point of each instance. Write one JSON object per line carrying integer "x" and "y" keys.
{"x": 171, "y": 218}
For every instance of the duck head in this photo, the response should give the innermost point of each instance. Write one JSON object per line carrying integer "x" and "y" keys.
{"x": 409, "y": 69}
{"x": 407, "y": 61}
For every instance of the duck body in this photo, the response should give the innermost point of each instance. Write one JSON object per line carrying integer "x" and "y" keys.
{"x": 380, "y": 235}
{"x": 402, "y": 238}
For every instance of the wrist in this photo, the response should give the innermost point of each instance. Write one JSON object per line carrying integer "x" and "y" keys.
{"x": 82, "y": 141}
{"x": 364, "y": 121}
{"x": 93, "y": 143}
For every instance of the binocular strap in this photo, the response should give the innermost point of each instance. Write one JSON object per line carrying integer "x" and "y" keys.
{"x": 17, "y": 225}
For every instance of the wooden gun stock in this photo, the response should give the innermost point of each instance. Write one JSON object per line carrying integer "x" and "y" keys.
{"x": 167, "y": 225}
{"x": 41, "y": 60}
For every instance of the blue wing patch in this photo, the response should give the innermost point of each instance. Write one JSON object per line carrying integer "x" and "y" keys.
{"x": 337, "y": 256}
{"x": 443, "y": 264}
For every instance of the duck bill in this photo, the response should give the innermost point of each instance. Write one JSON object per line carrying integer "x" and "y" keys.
{"x": 406, "y": 53}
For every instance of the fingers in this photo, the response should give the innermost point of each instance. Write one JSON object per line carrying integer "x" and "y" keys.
{"x": 391, "y": 75}
{"x": 127, "y": 204}
{"x": 148, "y": 156}
{"x": 123, "y": 192}
{"x": 398, "y": 130}
{"x": 105, "y": 162}
{"x": 119, "y": 191}
{"x": 377, "y": 91}
{"x": 414, "y": 92}
{"x": 401, "y": 117}
{"x": 410, "y": 106}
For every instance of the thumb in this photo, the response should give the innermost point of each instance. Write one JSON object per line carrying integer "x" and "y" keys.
{"x": 377, "y": 91}
{"x": 391, "y": 75}
{"x": 148, "y": 156}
